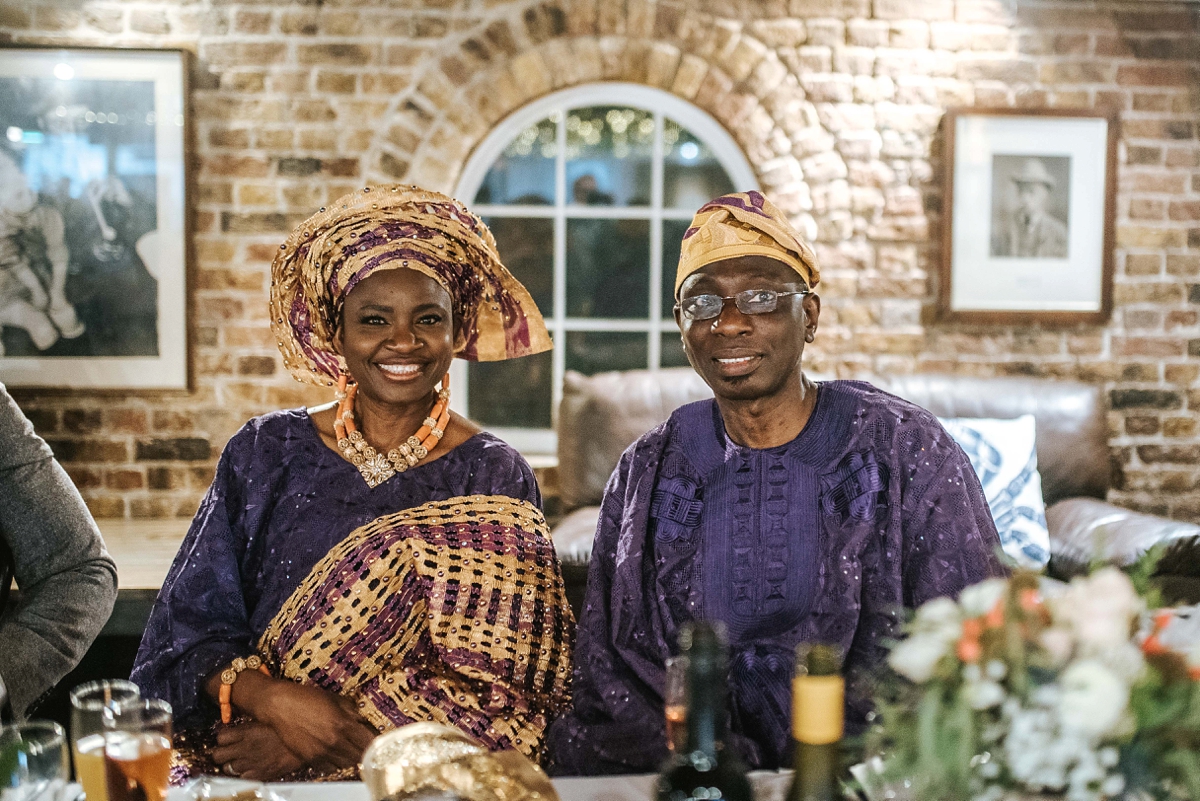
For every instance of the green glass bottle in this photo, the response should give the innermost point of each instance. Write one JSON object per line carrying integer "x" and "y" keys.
{"x": 704, "y": 769}
{"x": 818, "y": 693}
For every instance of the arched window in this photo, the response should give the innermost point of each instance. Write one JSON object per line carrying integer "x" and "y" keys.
{"x": 588, "y": 192}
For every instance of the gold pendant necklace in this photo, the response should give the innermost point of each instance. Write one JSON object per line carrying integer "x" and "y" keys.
{"x": 376, "y": 467}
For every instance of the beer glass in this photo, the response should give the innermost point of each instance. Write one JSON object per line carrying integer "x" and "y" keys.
{"x": 675, "y": 701}
{"x": 137, "y": 750}
{"x": 88, "y": 702}
{"x": 33, "y": 760}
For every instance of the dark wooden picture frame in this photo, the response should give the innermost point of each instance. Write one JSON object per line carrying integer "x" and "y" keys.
{"x": 117, "y": 141}
{"x": 1040, "y": 236}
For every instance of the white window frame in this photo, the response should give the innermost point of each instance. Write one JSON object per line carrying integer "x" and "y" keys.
{"x": 540, "y": 445}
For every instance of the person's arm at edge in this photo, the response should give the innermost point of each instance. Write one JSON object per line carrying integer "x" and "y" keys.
{"x": 67, "y": 580}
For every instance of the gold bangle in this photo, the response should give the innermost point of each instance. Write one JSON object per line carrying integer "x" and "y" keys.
{"x": 229, "y": 675}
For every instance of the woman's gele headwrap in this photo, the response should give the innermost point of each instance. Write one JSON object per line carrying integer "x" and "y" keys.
{"x": 743, "y": 224}
{"x": 394, "y": 227}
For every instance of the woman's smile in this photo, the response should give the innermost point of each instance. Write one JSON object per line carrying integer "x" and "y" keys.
{"x": 401, "y": 371}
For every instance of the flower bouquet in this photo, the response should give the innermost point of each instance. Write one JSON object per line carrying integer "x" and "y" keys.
{"x": 1028, "y": 688}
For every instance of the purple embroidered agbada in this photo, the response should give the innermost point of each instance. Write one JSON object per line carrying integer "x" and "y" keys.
{"x": 280, "y": 502}
{"x": 871, "y": 509}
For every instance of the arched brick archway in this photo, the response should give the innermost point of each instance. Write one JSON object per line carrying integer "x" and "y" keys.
{"x": 738, "y": 79}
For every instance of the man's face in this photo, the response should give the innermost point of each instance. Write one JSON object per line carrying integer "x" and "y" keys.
{"x": 748, "y": 356}
{"x": 1032, "y": 197}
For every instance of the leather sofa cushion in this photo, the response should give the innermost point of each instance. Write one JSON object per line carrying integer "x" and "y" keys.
{"x": 1083, "y": 531}
{"x": 574, "y": 534}
{"x": 601, "y": 415}
{"x": 1072, "y": 424}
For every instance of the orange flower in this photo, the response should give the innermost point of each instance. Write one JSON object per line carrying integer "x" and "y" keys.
{"x": 1030, "y": 600}
{"x": 969, "y": 650}
{"x": 1194, "y": 673}
{"x": 1152, "y": 646}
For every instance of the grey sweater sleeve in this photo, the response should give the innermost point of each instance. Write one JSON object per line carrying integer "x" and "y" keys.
{"x": 67, "y": 580}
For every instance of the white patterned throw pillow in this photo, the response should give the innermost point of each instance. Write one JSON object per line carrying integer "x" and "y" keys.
{"x": 1005, "y": 459}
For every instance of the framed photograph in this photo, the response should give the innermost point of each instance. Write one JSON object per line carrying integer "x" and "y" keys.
{"x": 1028, "y": 199}
{"x": 93, "y": 278}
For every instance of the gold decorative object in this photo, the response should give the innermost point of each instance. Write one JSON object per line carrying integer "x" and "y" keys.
{"x": 429, "y": 759}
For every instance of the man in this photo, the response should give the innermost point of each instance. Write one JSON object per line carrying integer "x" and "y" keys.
{"x": 68, "y": 582}
{"x": 1030, "y": 231}
{"x": 790, "y": 511}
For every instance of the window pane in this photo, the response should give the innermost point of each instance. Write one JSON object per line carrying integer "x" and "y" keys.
{"x": 608, "y": 268}
{"x": 672, "y": 351}
{"x": 524, "y": 173}
{"x": 609, "y": 151}
{"x": 592, "y": 352}
{"x": 692, "y": 176}
{"x": 527, "y": 249}
{"x": 672, "y": 231}
{"x": 513, "y": 393}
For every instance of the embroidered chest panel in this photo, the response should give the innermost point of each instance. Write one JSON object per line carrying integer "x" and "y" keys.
{"x": 760, "y": 544}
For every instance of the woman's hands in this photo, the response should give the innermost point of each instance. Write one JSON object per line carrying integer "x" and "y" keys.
{"x": 315, "y": 727}
{"x": 323, "y": 729}
{"x": 254, "y": 751}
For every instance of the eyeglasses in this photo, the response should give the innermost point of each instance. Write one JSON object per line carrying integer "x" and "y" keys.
{"x": 752, "y": 301}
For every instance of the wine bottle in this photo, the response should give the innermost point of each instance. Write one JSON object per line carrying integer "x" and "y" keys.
{"x": 818, "y": 693}
{"x": 704, "y": 768}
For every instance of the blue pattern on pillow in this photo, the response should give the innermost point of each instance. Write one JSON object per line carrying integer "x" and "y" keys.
{"x": 1004, "y": 456}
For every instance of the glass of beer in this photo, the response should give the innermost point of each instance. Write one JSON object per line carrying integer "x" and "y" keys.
{"x": 675, "y": 700}
{"x": 88, "y": 702}
{"x": 137, "y": 750}
{"x": 33, "y": 760}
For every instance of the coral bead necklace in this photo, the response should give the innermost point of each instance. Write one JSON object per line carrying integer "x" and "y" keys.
{"x": 376, "y": 467}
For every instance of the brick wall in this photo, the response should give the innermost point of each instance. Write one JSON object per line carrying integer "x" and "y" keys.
{"x": 837, "y": 104}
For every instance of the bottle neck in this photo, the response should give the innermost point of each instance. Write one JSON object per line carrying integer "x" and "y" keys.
{"x": 818, "y": 695}
{"x": 706, "y": 707}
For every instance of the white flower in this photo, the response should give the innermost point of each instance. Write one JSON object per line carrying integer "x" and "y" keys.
{"x": 1125, "y": 660}
{"x": 1113, "y": 786}
{"x": 978, "y": 599}
{"x": 916, "y": 657}
{"x": 984, "y": 694}
{"x": 939, "y": 618}
{"x": 935, "y": 628}
{"x": 1100, "y": 609}
{"x": 1059, "y": 643}
{"x": 1093, "y": 699}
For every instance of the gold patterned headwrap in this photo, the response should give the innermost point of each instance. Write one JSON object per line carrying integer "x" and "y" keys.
{"x": 743, "y": 224}
{"x": 387, "y": 228}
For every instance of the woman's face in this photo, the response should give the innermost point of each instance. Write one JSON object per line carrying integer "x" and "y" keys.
{"x": 397, "y": 335}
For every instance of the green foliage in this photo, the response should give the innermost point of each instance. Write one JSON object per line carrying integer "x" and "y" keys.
{"x": 1142, "y": 573}
{"x": 1166, "y": 706}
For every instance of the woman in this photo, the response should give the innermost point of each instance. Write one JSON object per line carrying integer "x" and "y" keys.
{"x": 381, "y": 576}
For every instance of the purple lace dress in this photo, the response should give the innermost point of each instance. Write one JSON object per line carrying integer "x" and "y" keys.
{"x": 871, "y": 509}
{"x": 281, "y": 500}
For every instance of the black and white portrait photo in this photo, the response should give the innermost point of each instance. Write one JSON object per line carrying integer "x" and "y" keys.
{"x": 77, "y": 203}
{"x": 1030, "y": 233}
{"x": 91, "y": 254}
{"x": 1030, "y": 206}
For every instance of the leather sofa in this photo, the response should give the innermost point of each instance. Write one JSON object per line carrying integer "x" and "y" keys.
{"x": 601, "y": 415}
